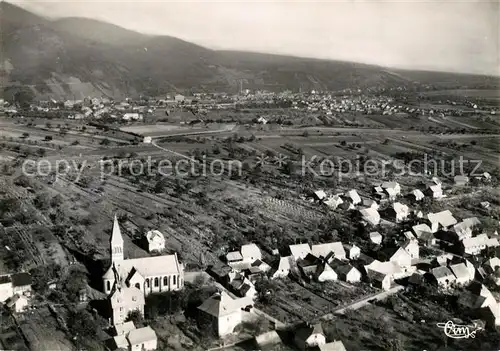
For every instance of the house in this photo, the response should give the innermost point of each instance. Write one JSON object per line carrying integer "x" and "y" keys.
{"x": 308, "y": 265}
{"x": 283, "y": 268}
{"x": 17, "y": 283}
{"x": 309, "y": 336}
{"x": 319, "y": 195}
{"x": 424, "y": 234}
{"x": 474, "y": 245}
{"x": 398, "y": 212}
{"x": 427, "y": 239}
{"x": 443, "y": 276}
{"x": 6, "y": 289}
{"x": 225, "y": 312}
{"x": 250, "y": 253}
{"x": 329, "y": 251}
{"x": 21, "y": 282}
{"x": 419, "y": 229}
{"x": 332, "y": 346}
{"x": 263, "y": 266}
{"x": 377, "y": 189}
{"x": 492, "y": 242}
{"x": 367, "y": 203}
{"x": 124, "y": 299}
{"x": 376, "y": 237}
{"x": 253, "y": 273}
{"x": 220, "y": 272}
{"x": 461, "y": 180}
{"x": 470, "y": 268}
{"x": 124, "y": 328}
{"x": 470, "y": 303}
{"x": 409, "y": 235}
{"x": 441, "y": 220}
{"x": 234, "y": 257}
{"x": 370, "y": 216}
{"x": 379, "y": 279}
{"x": 18, "y": 303}
{"x": 463, "y": 230}
{"x": 492, "y": 264}
{"x": 325, "y": 273}
{"x": 155, "y": 241}
{"x": 411, "y": 246}
{"x": 243, "y": 287}
{"x": 436, "y": 181}
{"x": 353, "y": 197}
{"x": 299, "y": 251}
{"x": 397, "y": 255}
{"x": 486, "y": 176}
{"x": 393, "y": 189}
{"x": 334, "y": 201}
{"x": 435, "y": 191}
{"x": 147, "y": 274}
{"x": 461, "y": 273}
{"x": 390, "y": 268}
{"x": 346, "y": 272}
{"x": 491, "y": 314}
{"x": 142, "y": 339}
{"x": 481, "y": 290}
{"x": 147, "y": 140}
{"x": 418, "y": 213}
{"x": 417, "y": 195}
{"x": 352, "y": 251}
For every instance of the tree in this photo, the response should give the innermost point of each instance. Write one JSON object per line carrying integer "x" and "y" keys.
{"x": 160, "y": 185}
{"x": 136, "y": 317}
{"x": 105, "y": 142}
{"x": 74, "y": 281}
{"x": 41, "y": 152}
{"x": 42, "y": 201}
{"x": 56, "y": 201}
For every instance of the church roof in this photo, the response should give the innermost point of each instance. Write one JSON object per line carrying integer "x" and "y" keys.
{"x": 116, "y": 234}
{"x": 150, "y": 266}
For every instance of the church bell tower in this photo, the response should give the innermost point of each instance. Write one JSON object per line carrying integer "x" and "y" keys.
{"x": 116, "y": 243}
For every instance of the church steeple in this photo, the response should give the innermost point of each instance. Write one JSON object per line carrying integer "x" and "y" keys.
{"x": 116, "y": 242}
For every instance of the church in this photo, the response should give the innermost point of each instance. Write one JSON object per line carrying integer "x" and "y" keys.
{"x": 147, "y": 274}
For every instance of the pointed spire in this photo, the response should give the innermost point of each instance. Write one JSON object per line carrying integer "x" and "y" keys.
{"x": 116, "y": 235}
{"x": 116, "y": 242}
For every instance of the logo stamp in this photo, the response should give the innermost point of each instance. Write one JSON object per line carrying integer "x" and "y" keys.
{"x": 459, "y": 331}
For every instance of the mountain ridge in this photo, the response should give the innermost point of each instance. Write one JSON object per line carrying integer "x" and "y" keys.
{"x": 77, "y": 57}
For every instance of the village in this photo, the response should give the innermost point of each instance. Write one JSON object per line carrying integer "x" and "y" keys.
{"x": 403, "y": 240}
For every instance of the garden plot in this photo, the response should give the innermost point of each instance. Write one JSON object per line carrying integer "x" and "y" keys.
{"x": 293, "y": 303}
{"x": 289, "y": 210}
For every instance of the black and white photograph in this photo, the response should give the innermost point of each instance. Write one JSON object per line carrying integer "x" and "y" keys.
{"x": 270, "y": 175}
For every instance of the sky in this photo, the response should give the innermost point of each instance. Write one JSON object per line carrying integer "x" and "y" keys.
{"x": 446, "y": 35}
